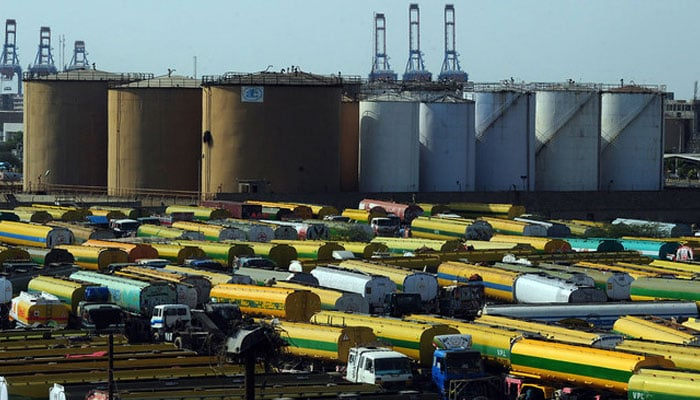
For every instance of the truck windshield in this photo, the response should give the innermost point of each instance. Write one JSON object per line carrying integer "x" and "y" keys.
{"x": 392, "y": 366}
{"x": 460, "y": 363}
{"x": 388, "y": 222}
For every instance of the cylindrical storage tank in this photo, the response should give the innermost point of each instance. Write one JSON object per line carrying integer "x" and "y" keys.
{"x": 389, "y": 146}
{"x": 145, "y": 115}
{"x": 291, "y": 305}
{"x": 349, "y": 144}
{"x": 200, "y": 213}
{"x": 168, "y": 232}
{"x": 412, "y": 338}
{"x": 332, "y": 299}
{"x": 225, "y": 253}
{"x": 505, "y": 139}
{"x": 536, "y": 288}
{"x": 364, "y": 250}
{"x": 70, "y": 292}
{"x": 96, "y": 258}
{"x": 47, "y": 257}
{"x": 579, "y": 365}
{"x": 311, "y": 249}
{"x": 323, "y": 342}
{"x": 568, "y": 139}
{"x": 649, "y": 288}
{"x": 631, "y": 147}
{"x": 655, "y": 329}
{"x": 280, "y": 130}
{"x": 446, "y": 136}
{"x": 178, "y": 253}
{"x": 134, "y": 250}
{"x": 57, "y": 122}
{"x": 201, "y": 284}
{"x": 26, "y": 234}
{"x": 255, "y": 232}
{"x": 131, "y": 295}
{"x": 373, "y": 287}
{"x": 211, "y": 232}
{"x": 280, "y": 253}
{"x": 349, "y": 231}
{"x": 659, "y": 384}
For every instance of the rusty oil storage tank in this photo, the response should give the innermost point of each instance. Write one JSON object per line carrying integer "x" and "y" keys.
{"x": 389, "y": 145}
{"x": 349, "y": 143}
{"x": 631, "y": 152}
{"x": 64, "y": 113}
{"x": 279, "y": 130}
{"x": 505, "y": 136}
{"x": 144, "y": 116}
{"x": 567, "y": 129}
{"x": 446, "y": 136}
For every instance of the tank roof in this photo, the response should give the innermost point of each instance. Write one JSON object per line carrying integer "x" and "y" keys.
{"x": 87, "y": 75}
{"x": 295, "y": 78}
{"x": 174, "y": 81}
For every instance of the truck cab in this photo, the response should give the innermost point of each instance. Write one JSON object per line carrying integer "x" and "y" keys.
{"x": 379, "y": 366}
{"x": 167, "y": 317}
{"x": 124, "y": 227}
{"x": 386, "y": 226}
{"x": 398, "y": 304}
{"x": 458, "y": 371}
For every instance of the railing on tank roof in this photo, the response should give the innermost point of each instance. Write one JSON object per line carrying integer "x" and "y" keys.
{"x": 163, "y": 82}
{"x": 146, "y": 196}
{"x": 274, "y": 78}
{"x": 87, "y": 75}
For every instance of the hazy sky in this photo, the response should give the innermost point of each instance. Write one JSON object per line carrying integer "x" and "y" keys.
{"x": 602, "y": 41}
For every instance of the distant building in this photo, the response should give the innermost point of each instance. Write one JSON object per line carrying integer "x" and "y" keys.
{"x": 682, "y": 130}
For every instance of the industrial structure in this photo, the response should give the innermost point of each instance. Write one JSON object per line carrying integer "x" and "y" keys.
{"x": 415, "y": 68}
{"x": 271, "y": 132}
{"x": 142, "y": 117}
{"x": 43, "y": 63}
{"x": 567, "y": 132}
{"x": 451, "y": 71}
{"x": 505, "y": 136}
{"x": 298, "y": 132}
{"x": 79, "y": 60}
{"x": 9, "y": 62}
{"x": 65, "y": 134}
{"x": 381, "y": 71}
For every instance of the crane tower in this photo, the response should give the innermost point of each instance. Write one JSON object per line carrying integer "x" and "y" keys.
{"x": 9, "y": 63}
{"x": 381, "y": 71}
{"x": 415, "y": 69}
{"x": 451, "y": 70}
{"x": 79, "y": 60}
{"x": 43, "y": 63}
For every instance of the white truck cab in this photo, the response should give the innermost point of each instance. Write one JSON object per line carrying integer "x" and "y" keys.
{"x": 386, "y": 226}
{"x": 167, "y": 316}
{"x": 378, "y": 365}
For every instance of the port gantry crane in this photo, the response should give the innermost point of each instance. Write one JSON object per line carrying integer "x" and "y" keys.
{"x": 43, "y": 63}
{"x": 9, "y": 63}
{"x": 451, "y": 70}
{"x": 381, "y": 71}
{"x": 415, "y": 69}
{"x": 79, "y": 60}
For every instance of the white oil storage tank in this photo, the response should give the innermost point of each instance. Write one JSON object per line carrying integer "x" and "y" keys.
{"x": 631, "y": 129}
{"x": 567, "y": 126}
{"x": 446, "y": 135}
{"x": 389, "y": 147}
{"x": 505, "y": 137}
{"x": 374, "y": 288}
